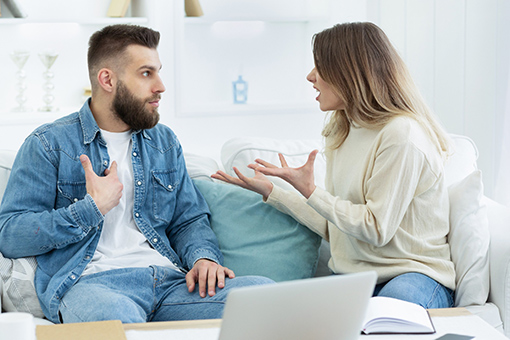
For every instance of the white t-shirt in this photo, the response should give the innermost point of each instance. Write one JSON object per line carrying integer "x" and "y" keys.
{"x": 121, "y": 244}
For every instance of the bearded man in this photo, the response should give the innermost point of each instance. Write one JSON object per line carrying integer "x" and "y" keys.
{"x": 103, "y": 200}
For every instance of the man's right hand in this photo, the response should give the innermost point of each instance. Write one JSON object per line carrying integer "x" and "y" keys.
{"x": 106, "y": 191}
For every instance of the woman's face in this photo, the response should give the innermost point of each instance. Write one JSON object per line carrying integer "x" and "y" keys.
{"x": 327, "y": 98}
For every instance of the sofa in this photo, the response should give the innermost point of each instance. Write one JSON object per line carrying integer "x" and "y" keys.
{"x": 257, "y": 239}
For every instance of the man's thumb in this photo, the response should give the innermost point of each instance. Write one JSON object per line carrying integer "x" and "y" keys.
{"x": 113, "y": 168}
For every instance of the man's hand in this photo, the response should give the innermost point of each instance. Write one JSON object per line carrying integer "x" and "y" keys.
{"x": 106, "y": 191}
{"x": 207, "y": 273}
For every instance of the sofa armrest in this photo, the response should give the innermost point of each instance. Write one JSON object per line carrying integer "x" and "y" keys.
{"x": 499, "y": 227}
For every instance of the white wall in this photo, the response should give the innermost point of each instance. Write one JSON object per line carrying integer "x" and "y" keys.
{"x": 459, "y": 54}
{"x": 206, "y": 133}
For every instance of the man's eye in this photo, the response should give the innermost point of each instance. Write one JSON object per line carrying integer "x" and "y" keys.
{"x": 146, "y": 74}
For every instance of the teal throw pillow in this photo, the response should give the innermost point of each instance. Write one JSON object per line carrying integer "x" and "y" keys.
{"x": 257, "y": 239}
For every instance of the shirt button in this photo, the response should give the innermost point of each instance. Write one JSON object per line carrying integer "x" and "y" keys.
{"x": 73, "y": 277}
{"x": 139, "y": 182}
{"x": 134, "y": 154}
{"x": 87, "y": 257}
{"x": 75, "y": 200}
{"x": 155, "y": 240}
{"x": 105, "y": 163}
{"x": 169, "y": 186}
{"x": 137, "y": 214}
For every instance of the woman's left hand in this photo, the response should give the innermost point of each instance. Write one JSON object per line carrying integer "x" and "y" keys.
{"x": 301, "y": 178}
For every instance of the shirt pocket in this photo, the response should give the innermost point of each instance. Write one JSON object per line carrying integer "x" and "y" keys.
{"x": 165, "y": 184}
{"x": 70, "y": 192}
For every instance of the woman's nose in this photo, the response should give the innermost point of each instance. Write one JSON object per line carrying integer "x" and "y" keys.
{"x": 311, "y": 76}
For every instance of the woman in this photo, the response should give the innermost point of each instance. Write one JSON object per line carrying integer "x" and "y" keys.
{"x": 386, "y": 205}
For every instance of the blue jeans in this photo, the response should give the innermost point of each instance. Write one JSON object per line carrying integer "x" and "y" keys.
{"x": 417, "y": 288}
{"x": 144, "y": 294}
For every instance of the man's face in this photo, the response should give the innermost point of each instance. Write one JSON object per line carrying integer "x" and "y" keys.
{"x": 139, "y": 89}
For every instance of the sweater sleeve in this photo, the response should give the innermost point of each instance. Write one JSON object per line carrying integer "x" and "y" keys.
{"x": 400, "y": 173}
{"x": 293, "y": 204}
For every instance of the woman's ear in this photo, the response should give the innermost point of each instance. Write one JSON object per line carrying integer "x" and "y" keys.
{"x": 105, "y": 79}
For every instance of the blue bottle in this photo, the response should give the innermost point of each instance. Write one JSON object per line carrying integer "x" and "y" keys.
{"x": 240, "y": 88}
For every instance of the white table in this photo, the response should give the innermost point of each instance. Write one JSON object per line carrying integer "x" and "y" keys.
{"x": 454, "y": 320}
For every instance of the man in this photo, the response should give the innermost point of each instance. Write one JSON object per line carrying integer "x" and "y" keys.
{"x": 103, "y": 199}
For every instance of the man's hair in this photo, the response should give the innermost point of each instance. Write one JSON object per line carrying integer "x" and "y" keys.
{"x": 107, "y": 46}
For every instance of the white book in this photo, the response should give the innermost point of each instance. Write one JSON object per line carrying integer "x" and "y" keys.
{"x": 388, "y": 315}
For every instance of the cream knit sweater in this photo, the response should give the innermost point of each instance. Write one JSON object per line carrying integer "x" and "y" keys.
{"x": 385, "y": 207}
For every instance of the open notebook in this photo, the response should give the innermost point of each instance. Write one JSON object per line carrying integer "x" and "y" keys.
{"x": 330, "y": 307}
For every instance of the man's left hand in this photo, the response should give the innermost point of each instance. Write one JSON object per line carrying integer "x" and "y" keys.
{"x": 207, "y": 273}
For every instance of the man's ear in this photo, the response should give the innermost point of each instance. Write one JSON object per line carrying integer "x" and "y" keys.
{"x": 105, "y": 79}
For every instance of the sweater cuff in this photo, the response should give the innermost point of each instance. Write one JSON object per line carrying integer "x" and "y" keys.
{"x": 316, "y": 198}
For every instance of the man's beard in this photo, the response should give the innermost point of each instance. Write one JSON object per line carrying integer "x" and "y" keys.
{"x": 133, "y": 111}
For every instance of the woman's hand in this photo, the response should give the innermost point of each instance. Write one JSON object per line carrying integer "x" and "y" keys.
{"x": 259, "y": 183}
{"x": 301, "y": 178}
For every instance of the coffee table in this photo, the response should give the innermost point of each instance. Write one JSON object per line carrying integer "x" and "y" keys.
{"x": 449, "y": 320}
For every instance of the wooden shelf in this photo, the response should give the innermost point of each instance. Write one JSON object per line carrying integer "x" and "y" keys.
{"x": 8, "y": 117}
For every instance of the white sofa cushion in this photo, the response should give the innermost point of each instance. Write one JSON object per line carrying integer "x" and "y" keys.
{"x": 469, "y": 240}
{"x": 16, "y": 276}
{"x": 463, "y": 160}
{"x": 18, "y": 293}
{"x": 469, "y": 236}
{"x": 200, "y": 167}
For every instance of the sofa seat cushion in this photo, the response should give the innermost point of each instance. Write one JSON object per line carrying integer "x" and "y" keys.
{"x": 257, "y": 239}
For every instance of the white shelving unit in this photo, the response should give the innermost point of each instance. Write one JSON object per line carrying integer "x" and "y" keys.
{"x": 12, "y": 118}
{"x": 265, "y": 45}
{"x": 64, "y": 27}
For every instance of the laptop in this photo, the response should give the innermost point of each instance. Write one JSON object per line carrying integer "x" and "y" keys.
{"x": 331, "y": 307}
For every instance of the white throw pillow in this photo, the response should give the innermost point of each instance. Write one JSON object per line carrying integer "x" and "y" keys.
{"x": 200, "y": 167}
{"x": 469, "y": 240}
{"x": 18, "y": 293}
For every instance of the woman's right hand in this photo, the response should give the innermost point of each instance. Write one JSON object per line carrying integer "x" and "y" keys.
{"x": 258, "y": 183}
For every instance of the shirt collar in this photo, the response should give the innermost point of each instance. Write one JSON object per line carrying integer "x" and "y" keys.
{"x": 90, "y": 128}
{"x": 88, "y": 123}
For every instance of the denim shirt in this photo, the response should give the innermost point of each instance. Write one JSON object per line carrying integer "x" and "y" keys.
{"x": 46, "y": 211}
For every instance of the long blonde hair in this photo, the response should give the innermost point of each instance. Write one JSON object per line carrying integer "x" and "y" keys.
{"x": 367, "y": 73}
